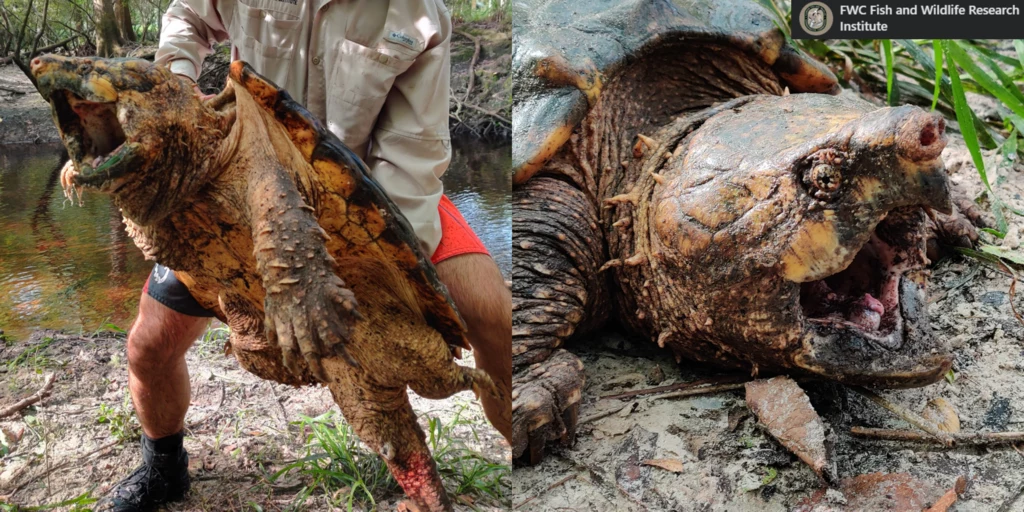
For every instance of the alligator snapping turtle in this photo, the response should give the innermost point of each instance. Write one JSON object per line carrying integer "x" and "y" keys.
{"x": 278, "y": 228}
{"x": 666, "y": 178}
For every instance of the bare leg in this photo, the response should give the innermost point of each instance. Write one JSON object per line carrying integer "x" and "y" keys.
{"x": 157, "y": 374}
{"x": 479, "y": 291}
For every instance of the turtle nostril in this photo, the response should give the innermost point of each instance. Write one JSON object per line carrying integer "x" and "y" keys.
{"x": 35, "y": 63}
{"x": 928, "y": 135}
{"x": 931, "y": 132}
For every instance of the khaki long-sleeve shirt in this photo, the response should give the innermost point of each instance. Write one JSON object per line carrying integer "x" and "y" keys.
{"x": 375, "y": 72}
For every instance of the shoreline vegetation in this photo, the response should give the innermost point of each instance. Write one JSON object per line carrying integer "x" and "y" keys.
{"x": 480, "y": 103}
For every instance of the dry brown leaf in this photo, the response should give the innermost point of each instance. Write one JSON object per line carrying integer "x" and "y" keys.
{"x": 942, "y": 413}
{"x": 875, "y": 491}
{"x": 782, "y": 407}
{"x": 947, "y": 500}
{"x": 673, "y": 465}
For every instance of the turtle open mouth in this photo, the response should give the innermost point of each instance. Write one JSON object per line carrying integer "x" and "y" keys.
{"x": 95, "y": 139}
{"x": 885, "y": 278}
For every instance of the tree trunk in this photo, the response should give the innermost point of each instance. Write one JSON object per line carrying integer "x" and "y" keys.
{"x": 108, "y": 37}
{"x": 124, "y": 20}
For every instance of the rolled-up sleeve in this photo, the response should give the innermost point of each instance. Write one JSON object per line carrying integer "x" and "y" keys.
{"x": 189, "y": 29}
{"x": 410, "y": 145}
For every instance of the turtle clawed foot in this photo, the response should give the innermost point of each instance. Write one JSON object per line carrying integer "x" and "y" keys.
{"x": 314, "y": 323}
{"x": 545, "y": 405}
{"x": 957, "y": 229}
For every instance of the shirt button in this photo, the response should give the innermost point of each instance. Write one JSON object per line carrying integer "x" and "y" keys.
{"x": 316, "y": 61}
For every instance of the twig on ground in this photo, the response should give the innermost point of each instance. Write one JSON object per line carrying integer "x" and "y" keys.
{"x": 34, "y": 398}
{"x": 1013, "y": 290}
{"x": 907, "y": 415}
{"x": 62, "y": 465}
{"x": 277, "y": 399}
{"x": 550, "y": 487}
{"x": 472, "y": 63}
{"x": 604, "y": 414}
{"x": 703, "y": 390}
{"x": 966, "y": 279}
{"x": 958, "y": 438}
{"x": 707, "y": 390}
{"x": 674, "y": 387}
{"x": 12, "y": 91}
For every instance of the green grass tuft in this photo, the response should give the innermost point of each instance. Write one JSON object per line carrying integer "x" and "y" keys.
{"x": 32, "y": 357}
{"x": 349, "y": 474}
{"x": 212, "y": 341}
{"x": 120, "y": 420}
{"x": 80, "y": 503}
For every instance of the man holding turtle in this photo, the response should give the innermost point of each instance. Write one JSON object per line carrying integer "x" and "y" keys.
{"x": 377, "y": 74}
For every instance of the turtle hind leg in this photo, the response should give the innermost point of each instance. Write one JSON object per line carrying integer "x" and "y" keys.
{"x": 383, "y": 419}
{"x": 457, "y": 378}
{"x": 557, "y": 291}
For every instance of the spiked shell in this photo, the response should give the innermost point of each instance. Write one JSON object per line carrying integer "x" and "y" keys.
{"x": 566, "y": 50}
{"x": 366, "y": 200}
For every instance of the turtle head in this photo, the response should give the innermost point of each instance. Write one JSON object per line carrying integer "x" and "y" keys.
{"x": 808, "y": 213}
{"x": 132, "y": 128}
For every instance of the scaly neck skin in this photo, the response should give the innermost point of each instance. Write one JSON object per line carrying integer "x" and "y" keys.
{"x": 608, "y": 158}
{"x": 673, "y": 80}
{"x": 208, "y": 157}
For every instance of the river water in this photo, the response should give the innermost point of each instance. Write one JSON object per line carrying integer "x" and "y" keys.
{"x": 68, "y": 267}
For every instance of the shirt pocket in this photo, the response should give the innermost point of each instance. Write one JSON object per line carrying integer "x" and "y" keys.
{"x": 358, "y": 85}
{"x": 279, "y": 27}
{"x": 272, "y": 62}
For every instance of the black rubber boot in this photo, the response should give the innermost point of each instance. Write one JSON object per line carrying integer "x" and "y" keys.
{"x": 162, "y": 478}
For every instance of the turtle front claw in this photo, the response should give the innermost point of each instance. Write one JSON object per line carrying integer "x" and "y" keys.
{"x": 310, "y": 319}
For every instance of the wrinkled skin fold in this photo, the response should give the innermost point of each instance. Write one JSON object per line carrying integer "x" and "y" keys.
{"x": 275, "y": 226}
{"x": 679, "y": 170}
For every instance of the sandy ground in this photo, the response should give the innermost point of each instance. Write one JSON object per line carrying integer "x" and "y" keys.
{"x": 729, "y": 463}
{"x": 239, "y": 428}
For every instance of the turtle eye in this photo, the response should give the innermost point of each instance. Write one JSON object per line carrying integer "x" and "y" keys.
{"x": 823, "y": 172}
{"x": 825, "y": 177}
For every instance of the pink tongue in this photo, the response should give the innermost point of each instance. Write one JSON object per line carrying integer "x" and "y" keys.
{"x": 867, "y": 313}
{"x": 869, "y": 302}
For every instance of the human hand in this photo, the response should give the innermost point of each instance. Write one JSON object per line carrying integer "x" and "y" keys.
{"x": 195, "y": 87}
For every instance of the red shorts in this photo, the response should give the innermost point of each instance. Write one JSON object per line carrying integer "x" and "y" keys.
{"x": 456, "y": 238}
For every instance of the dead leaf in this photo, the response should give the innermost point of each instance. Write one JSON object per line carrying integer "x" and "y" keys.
{"x": 407, "y": 506}
{"x": 942, "y": 413}
{"x": 631, "y": 477}
{"x": 736, "y": 417}
{"x": 874, "y": 491}
{"x": 947, "y": 500}
{"x": 782, "y": 407}
{"x": 673, "y": 465}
